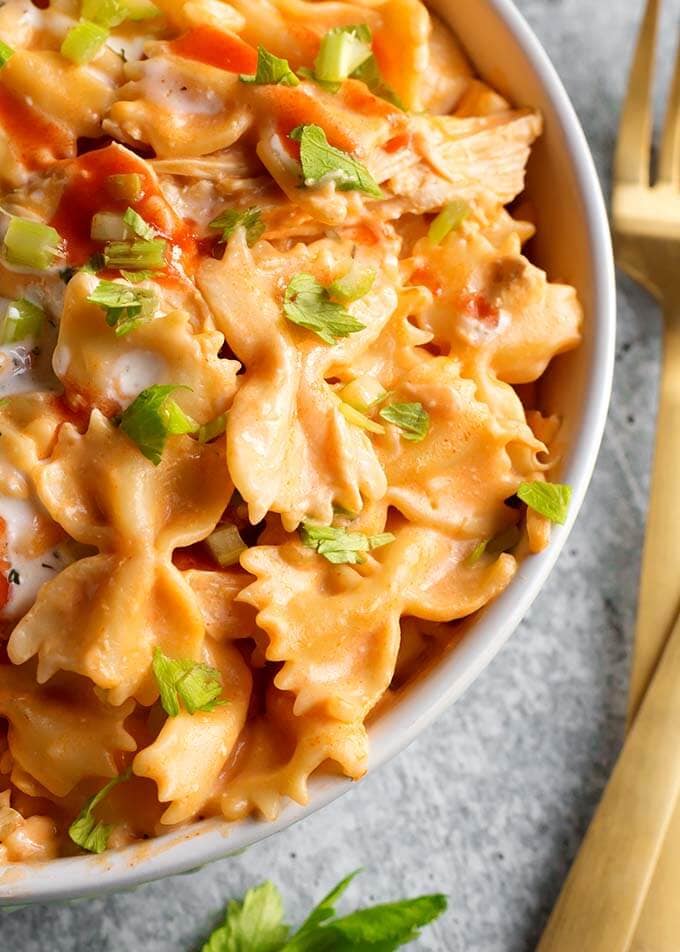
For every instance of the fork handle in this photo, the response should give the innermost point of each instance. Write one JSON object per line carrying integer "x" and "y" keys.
{"x": 659, "y": 597}
{"x": 600, "y": 904}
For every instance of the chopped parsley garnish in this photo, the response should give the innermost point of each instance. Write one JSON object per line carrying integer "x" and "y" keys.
{"x": 340, "y": 546}
{"x": 152, "y": 417}
{"x": 256, "y": 924}
{"x": 271, "y": 71}
{"x": 196, "y": 685}
{"x": 233, "y": 218}
{"x": 322, "y": 162}
{"x": 411, "y": 418}
{"x": 86, "y": 831}
{"x": 308, "y": 304}
{"x": 369, "y": 73}
{"x": 126, "y": 308}
{"x": 548, "y": 499}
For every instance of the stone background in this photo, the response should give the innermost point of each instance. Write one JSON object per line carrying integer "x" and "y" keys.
{"x": 490, "y": 804}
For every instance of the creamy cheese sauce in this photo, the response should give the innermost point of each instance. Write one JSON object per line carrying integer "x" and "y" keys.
{"x": 134, "y": 372}
{"x": 27, "y": 574}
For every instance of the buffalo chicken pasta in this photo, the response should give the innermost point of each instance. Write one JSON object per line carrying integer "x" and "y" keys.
{"x": 268, "y": 426}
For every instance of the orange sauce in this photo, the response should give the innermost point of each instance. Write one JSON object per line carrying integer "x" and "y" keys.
{"x": 37, "y": 140}
{"x": 216, "y": 48}
{"x": 86, "y": 193}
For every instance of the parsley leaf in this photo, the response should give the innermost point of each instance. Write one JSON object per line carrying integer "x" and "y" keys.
{"x": 411, "y": 418}
{"x": 233, "y": 218}
{"x": 152, "y": 417}
{"x": 254, "y": 925}
{"x": 126, "y": 308}
{"x": 369, "y": 73}
{"x": 322, "y": 162}
{"x": 340, "y": 546}
{"x": 271, "y": 71}
{"x": 196, "y": 685}
{"x": 549, "y": 499}
{"x": 91, "y": 834}
{"x": 309, "y": 304}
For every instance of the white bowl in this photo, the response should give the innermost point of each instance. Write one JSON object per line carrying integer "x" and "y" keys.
{"x": 573, "y": 245}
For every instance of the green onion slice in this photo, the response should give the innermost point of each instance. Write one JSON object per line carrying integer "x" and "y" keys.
{"x": 5, "y": 53}
{"x": 23, "y": 319}
{"x": 31, "y": 244}
{"x": 83, "y": 42}
{"x": 449, "y": 218}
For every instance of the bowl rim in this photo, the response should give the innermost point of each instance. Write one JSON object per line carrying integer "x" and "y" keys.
{"x": 190, "y": 848}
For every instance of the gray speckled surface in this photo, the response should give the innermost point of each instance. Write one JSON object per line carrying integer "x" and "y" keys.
{"x": 490, "y": 804}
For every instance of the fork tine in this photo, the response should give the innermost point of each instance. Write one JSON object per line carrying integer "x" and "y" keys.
{"x": 669, "y": 163}
{"x": 633, "y": 150}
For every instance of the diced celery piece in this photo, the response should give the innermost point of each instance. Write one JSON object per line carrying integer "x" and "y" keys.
{"x": 352, "y": 286}
{"x": 5, "y": 53}
{"x": 31, "y": 244}
{"x": 450, "y": 217}
{"x": 23, "y": 319}
{"x": 343, "y": 49}
{"x": 359, "y": 419}
{"x": 135, "y": 255}
{"x": 226, "y": 545}
{"x": 363, "y": 393}
{"x": 127, "y": 186}
{"x": 108, "y": 226}
{"x": 83, "y": 42}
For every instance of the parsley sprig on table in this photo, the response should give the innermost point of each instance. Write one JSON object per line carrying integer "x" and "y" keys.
{"x": 256, "y": 924}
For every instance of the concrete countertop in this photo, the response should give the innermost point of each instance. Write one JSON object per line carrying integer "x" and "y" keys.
{"x": 489, "y": 805}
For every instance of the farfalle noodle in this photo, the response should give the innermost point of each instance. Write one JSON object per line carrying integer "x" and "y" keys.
{"x": 288, "y": 513}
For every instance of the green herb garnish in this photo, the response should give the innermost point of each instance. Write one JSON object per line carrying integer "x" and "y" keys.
{"x": 256, "y": 924}
{"x": 90, "y": 834}
{"x": 196, "y": 685}
{"x": 549, "y": 499}
{"x": 340, "y": 546}
{"x": 322, "y": 162}
{"x": 411, "y": 418}
{"x": 233, "y": 218}
{"x": 271, "y": 71}
{"x": 308, "y": 304}
{"x": 152, "y": 417}
{"x": 126, "y": 308}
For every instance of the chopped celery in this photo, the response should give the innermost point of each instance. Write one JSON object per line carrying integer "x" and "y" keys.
{"x": 136, "y": 223}
{"x": 108, "y": 226}
{"x": 343, "y": 49}
{"x": 31, "y": 244}
{"x": 363, "y": 393}
{"x": 5, "y": 53}
{"x": 212, "y": 429}
{"x": 127, "y": 186}
{"x": 111, "y": 13}
{"x": 137, "y": 255}
{"x": 152, "y": 417}
{"x": 450, "y": 217}
{"x": 359, "y": 419}
{"x": 83, "y": 42}
{"x": 352, "y": 286}
{"x": 23, "y": 319}
{"x": 226, "y": 545}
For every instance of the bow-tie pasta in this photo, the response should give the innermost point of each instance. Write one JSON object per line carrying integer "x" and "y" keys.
{"x": 271, "y": 429}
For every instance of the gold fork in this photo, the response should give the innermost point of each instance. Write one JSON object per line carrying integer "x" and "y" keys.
{"x": 623, "y": 890}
